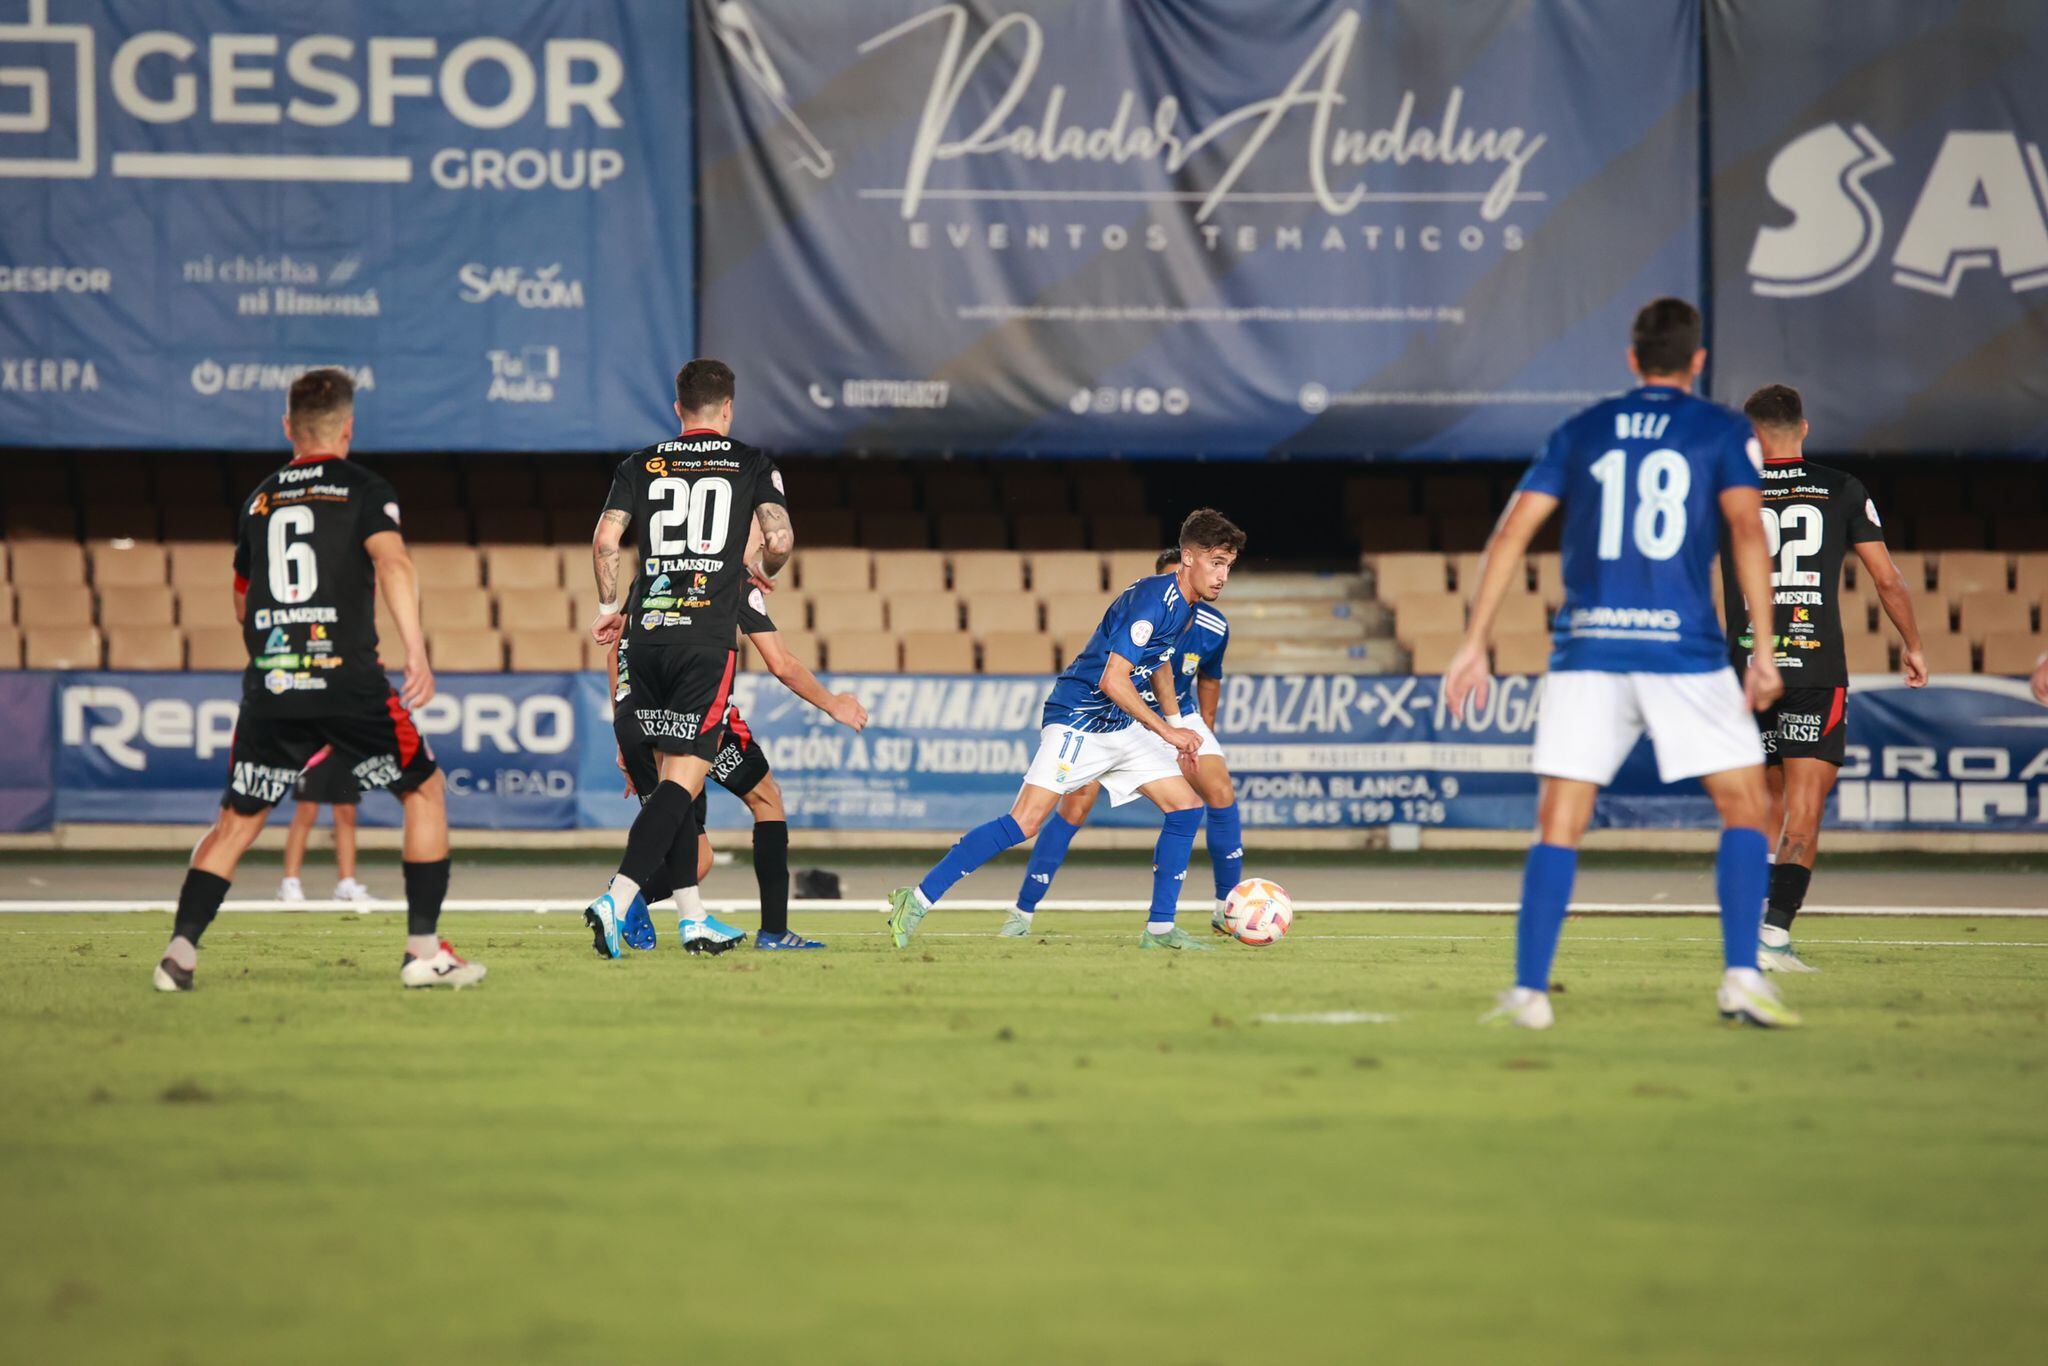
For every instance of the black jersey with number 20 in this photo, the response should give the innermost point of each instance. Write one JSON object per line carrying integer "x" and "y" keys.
{"x": 1812, "y": 515}
{"x": 311, "y": 625}
{"x": 691, "y": 501}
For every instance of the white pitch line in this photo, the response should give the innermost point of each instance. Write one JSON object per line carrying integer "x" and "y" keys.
{"x": 62, "y": 905}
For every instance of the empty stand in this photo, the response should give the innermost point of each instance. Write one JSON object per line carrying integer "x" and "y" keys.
{"x": 36, "y": 563}
{"x": 927, "y": 612}
{"x": 2013, "y": 652}
{"x": 1983, "y": 613}
{"x": 834, "y": 571}
{"x": 1125, "y": 567}
{"x": 861, "y": 651}
{"x": 1867, "y": 654}
{"x": 61, "y": 647}
{"x": 1065, "y": 572}
{"x": 1397, "y": 576}
{"x": 835, "y": 614}
{"x": 215, "y": 647}
{"x": 522, "y": 566}
{"x": 466, "y": 651}
{"x": 543, "y": 651}
{"x": 910, "y": 571}
{"x": 447, "y": 566}
{"x": 1970, "y": 571}
{"x": 1017, "y": 652}
{"x": 1431, "y": 653}
{"x": 534, "y": 609}
{"x": 447, "y": 608}
{"x": 1074, "y": 614}
{"x": 1002, "y": 612}
{"x": 141, "y": 605}
{"x": 937, "y": 652}
{"x": 1521, "y": 652}
{"x": 10, "y": 648}
{"x": 987, "y": 571}
{"x": 118, "y": 565}
{"x": 145, "y": 647}
{"x": 54, "y": 606}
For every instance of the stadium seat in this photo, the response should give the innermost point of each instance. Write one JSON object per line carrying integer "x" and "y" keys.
{"x": 1946, "y": 654}
{"x": 951, "y": 491}
{"x": 36, "y": 563}
{"x": 833, "y": 571}
{"x": 1970, "y": 571}
{"x": 2020, "y": 531}
{"x": 126, "y": 563}
{"x": 440, "y": 525}
{"x": 122, "y": 522}
{"x": 519, "y": 525}
{"x": 2013, "y": 652}
{"x": 522, "y": 566}
{"x": 10, "y": 648}
{"x": 1431, "y": 653}
{"x": 987, "y": 571}
{"x": 1387, "y": 533}
{"x": 1467, "y": 566}
{"x": 827, "y": 527}
{"x": 1521, "y": 652}
{"x": 1930, "y": 609}
{"x": 812, "y": 484}
{"x": 2030, "y": 576}
{"x": 861, "y": 652}
{"x": 53, "y": 606}
{"x": 1982, "y": 613}
{"x": 1421, "y": 615}
{"x": 1075, "y": 614}
{"x": 421, "y": 484}
{"x": 1948, "y": 530}
{"x": 39, "y": 522}
{"x": 535, "y": 609}
{"x": 1401, "y": 575}
{"x": 501, "y": 483}
{"x": 1032, "y": 492}
{"x": 1017, "y": 652}
{"x": 201, "y": 565}
{"x": 1459, "y": 493}
{"x": 789, "y": 609}
{"x": 1867, "y": 654}
{"x": 446, "y": 608}
{"x": 1066, "y": 571}
{"x": 878, "y": 488}
{"x": 446, "y": 566}
{"x": 464, "y": 650}
{"x": 937, "y": 652}
{"x": 61, "y": 647}
{"x": 902, "y": 530}
{"x": 6, "y": 604}
{"x": 924, "y": 612}
{"x": 1125, "y": 567}
{"x": 595, "y": 655}
{"x": 1048, "y": 531}
{"x": 1522, "y": 613}
{"x": 1548, "y": 573}
{"x": 801, "y": 644}
{"x": 974, "y": 531}
{"x": 1002, "y": 612}
{"x": 145, "y": 647}
{"x": 141, "y": 605}
{"x": 544, "y": 651}
{"x": 1124, "y": 530}
{"x": 1860, "y": 611}
{"x": 215, "y": 647}
{"x": 1912, "y": 565}
{"x": 833, "y": 614}
{"x": 1069, "y": 644}
{"x": 1463, "y": 531}
{"x": 23, "y": 481}
{"x": 910, "y": 571}
{"x": 193, "y": 522}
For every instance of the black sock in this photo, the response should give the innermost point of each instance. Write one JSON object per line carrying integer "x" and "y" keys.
{"x": 664, "y": 816}
{"x": 771, "y": 871}
{"x": 198, "y": 903}
{"x": 657, "y": 888}
{"x": 1788, "y": 894}
{"x": 426, "y": 887}
{"x": 681, "y": 869}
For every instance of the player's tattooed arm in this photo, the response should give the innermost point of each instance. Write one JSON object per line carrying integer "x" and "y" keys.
{"x": 778, "y": 537}
{"x": 605, "y": 552}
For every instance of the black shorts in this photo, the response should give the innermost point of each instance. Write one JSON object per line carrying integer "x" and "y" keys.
{"x": 376, "y": 747}
{"x": 739, "y": 765}
{"x": 680, "y": 697}
{"x": 327, "y": 782}
{"x": 1807, "y": 723}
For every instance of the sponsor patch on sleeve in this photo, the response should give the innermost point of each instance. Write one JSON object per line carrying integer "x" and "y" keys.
{"x": 1141, "y": 631}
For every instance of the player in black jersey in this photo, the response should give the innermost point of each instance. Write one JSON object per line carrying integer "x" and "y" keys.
{"x": 692, "y": 503}
{"x": 1813, "y": 516}
{"x": 741, "y": 768}
{"x": 315, "y": 542}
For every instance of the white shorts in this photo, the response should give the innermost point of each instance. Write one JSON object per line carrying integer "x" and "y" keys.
{"x": 1121, "y": 760}
{"x": 1193, "y": 721}
{"x": 1698, "y": 724}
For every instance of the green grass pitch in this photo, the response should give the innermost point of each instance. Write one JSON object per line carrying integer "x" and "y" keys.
{"x": 990, "y": 1151}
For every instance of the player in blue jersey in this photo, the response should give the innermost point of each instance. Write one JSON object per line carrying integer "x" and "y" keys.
{"x": 1197, "y": 666}
{"x": 1646, "y": 481}
{"x": 1105, "y": 721}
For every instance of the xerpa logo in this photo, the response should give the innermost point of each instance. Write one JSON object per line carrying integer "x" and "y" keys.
{"x": 239, "y": 87}
{"x": 1983, "y": 203}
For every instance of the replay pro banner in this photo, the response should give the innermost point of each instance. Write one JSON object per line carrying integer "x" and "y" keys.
{"x": 1402, "y": 227}
{"x": 1880, "y": 217}
{"x": 480, "y": 210}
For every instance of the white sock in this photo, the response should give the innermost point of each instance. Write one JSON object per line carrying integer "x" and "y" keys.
{"x": 422, "y": 945}
{"x": 690, "y": 903}
{"x": 183, "y": 952}
{"x": 1745, "y": 977}
{"x": 623, "y": 890}
{"x": 918, "y": 893}
{"x": 1026, "y": 914}
{"x": 1159, "y": 927}
{"x": 1771, "y": 937}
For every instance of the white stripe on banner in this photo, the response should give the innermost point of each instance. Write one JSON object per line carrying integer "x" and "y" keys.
{"x": 1397, "y": 758}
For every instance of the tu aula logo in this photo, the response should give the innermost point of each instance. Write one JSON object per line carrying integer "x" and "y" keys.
{"x": 1983, "y": 203}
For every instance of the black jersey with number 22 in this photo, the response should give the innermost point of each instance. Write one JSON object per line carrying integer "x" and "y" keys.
{"x": 691, "y": 501}
{"x": 1812, "y": 515}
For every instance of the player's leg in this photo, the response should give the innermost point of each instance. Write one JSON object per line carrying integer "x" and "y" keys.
{"x": 771, "y": 866}
{"x": 346, "y": 887}
{"x": 430, "y": 960}
{"x": 1218, "y": 792}
{"x": 1182, "y": 808}
{"x": 1047, "y": 853}
{"x": 1026, "y": 816}
{"x": 1806, "y": 784}
{"x": 305, "y": 815}
{"x": 636, "y": 761}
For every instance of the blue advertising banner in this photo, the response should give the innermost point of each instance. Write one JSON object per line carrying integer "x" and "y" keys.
{"x": 536, "y": 752}
{"x": 482, "y": 211}
{"x": 1302, "y": 225}
{"x": 1880, "y": 218}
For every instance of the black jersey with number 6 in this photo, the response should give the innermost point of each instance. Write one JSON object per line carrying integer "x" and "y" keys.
{"x": 1812, "y": 515}
{"x": 311, "y": 625}
{"x": 691, "y": 502}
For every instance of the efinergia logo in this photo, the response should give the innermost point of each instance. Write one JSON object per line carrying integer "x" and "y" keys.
{"x": 1984, "y": 203}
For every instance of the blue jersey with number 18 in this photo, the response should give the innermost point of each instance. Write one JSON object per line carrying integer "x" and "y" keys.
{"x": 1640, "y": 477}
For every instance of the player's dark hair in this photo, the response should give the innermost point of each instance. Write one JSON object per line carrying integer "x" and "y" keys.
{"x": 1775, "y": 405}
{"x": 703, "y": 383}
{"x": 1208, "y": 529}
{"x": 1665, "y": 336}
{"x": 1168, "y": 559}
{"x": 318, "y": 395}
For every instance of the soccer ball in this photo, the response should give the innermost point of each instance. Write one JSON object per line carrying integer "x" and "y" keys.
{"x": 1258, "y": 911}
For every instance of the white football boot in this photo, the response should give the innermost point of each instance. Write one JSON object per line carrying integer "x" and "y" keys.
{"x": 1522, "y": 1007}
{"x": 356, "y": 894}
{"x": 1745, "y": 997}
{"x": 446, "y": 968}
{"x": 1774, "y": 952}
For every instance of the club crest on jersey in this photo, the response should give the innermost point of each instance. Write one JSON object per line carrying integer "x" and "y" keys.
{"x": 1190, "y": 664}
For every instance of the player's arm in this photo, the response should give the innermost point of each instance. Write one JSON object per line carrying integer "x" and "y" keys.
{"x": 1898, "y": 605}
{"x": 1208, "y": 695}
{"x": 1120, "y": 687}
{"x": 1164, "y": 691}
{"x": 400, "y": 585}
{"x": 1469, "y": 675}
{"x": 605, "y": 557}
{"x": 1742, "y": 509}
{"x": 843, "y": 707}
{"x": 778, "y": 540}
{"x": 241, "y": 602}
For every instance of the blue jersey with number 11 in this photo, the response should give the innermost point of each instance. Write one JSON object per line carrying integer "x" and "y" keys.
{"x": 1640, "y": 479}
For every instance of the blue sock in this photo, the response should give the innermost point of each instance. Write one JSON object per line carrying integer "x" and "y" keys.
{"x": 1742, "y": 881}
{"x": 1546, "y": 893}
{"x": 1170, "y": 862}
{"x": 1046, "y": 856}
{"x": 974, "y": 848}
{"x": 1226, "y": 848}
